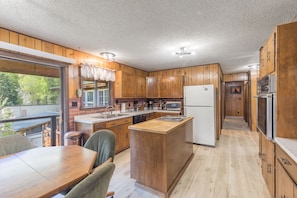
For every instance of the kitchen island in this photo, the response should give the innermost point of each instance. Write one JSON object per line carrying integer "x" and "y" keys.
{"x": 160, "y": 150}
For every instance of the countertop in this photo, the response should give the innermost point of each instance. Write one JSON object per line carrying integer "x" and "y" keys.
{"x": 91, "y": 118}
{"x": 158, "y": 126}
{"x": 289, "y": 146}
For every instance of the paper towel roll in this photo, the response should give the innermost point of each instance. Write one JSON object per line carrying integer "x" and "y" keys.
{"x": 123, "y": 107}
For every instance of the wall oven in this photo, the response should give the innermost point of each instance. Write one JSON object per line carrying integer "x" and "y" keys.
{"x": 266, "y": 106}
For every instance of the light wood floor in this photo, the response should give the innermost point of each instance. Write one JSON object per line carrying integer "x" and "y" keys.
{"x": 231, "y": 169}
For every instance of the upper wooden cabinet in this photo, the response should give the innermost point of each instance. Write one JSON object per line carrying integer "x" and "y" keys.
{"x": 129, "y": 85}
{"x": 267, "y": 56}
{"x": 165, "y": 87}
{"x": 152, "y": 87}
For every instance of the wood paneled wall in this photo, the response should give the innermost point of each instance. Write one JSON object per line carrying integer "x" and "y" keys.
{"x": 243, "y": 76}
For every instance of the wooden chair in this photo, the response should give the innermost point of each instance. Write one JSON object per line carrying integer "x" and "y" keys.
{"x": 103, "y": 142}
{"x": 94, "y": 185}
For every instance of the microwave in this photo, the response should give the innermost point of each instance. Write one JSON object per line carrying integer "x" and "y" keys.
{"x": 173, "y": 106}
{"x": 266, "y": 106}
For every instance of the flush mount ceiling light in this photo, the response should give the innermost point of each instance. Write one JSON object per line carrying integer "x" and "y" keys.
{"x": 182, "y": 52}
{"x": 108, "y": 56}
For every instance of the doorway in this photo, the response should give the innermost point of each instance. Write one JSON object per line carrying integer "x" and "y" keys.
{"x": 234, "y": 99}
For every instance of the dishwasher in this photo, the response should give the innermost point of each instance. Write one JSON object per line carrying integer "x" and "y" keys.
{"x": 139, "y": 118}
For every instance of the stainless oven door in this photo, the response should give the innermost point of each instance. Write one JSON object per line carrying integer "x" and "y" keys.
{"x": 265, "y": 115}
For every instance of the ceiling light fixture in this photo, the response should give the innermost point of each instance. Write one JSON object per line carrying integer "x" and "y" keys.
{"x": 108, "y": 56}
{"x": 183, "y": 51}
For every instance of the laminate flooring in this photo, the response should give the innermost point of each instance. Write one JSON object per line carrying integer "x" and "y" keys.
{"x": 232, "y": 169}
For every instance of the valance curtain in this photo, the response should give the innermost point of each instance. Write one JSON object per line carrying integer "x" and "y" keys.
{"x": 97, "y": 73}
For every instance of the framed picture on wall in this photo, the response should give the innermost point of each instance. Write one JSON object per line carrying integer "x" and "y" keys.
{"x": 235, "y": 89}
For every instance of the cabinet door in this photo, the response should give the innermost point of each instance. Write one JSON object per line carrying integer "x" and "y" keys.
{"x": 118, "y": 134}
{"x": 284, "y": 184}
{"x": 152, "y": 87}
{"x": 139, "y": 86}
{"x": 177, "y": 87}
{"x": 268, "y": 163}
{"x": 270, "y": 54}
{"x": 128, "y": 86}
{"x": 270, "y": 167}
{"x": 263, "y": 56}
{"x": 125, "y": 135}
{"x": 165, "y": 87}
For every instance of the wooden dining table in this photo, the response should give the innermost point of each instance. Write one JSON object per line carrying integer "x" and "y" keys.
{"x": 44, "y": 171}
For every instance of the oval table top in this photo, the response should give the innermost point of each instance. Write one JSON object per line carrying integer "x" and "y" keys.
{"x": 44, "y": 171}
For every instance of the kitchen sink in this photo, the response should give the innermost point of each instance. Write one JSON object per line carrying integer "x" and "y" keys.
{"x": 172, "y": 118}
{"x": 105, "y": 116}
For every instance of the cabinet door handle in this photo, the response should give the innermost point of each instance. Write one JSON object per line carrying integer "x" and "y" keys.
{"x": 269, "y": 168}
{"x": 268, "y": 56}
{"x": 286, "y": 162}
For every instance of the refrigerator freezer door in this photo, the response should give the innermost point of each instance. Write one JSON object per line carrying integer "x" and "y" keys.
{"x": 203, "y": 125}
{"x": 199, "y": 95}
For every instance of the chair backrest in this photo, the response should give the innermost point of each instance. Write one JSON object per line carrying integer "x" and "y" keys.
{"x": 14, "y": 143}
{"x": 103, "y": 142}
{"x": 95, "y": 184}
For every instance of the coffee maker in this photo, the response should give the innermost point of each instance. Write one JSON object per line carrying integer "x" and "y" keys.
{"x": 150, "y": 105}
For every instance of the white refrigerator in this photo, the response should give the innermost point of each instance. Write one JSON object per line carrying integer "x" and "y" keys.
{"x": 199, "y": 102}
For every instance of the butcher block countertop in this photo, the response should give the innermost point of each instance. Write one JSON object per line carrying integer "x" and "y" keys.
{"x": 159, "y": 126}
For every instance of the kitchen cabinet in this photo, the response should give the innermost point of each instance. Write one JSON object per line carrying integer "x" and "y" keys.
{"x": 150, "y": 116}
{"x": 267, "y": 158}
{"x": 267, "y": 56}
{"x": 129, "y": 85}
{"x": 286, "y": 175}
{"x": 160, "y": 114}
{"x": 120, "y": 128}
{"x": 171, "y": 87}
{"x": 152, "y": 87}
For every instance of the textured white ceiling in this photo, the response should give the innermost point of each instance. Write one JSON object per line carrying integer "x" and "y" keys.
{"x": 144, "y": 33}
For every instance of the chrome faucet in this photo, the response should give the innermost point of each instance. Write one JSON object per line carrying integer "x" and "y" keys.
{"x": 109, "y": 107}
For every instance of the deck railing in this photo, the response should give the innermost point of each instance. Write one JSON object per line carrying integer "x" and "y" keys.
{"x": 27, "y": 125}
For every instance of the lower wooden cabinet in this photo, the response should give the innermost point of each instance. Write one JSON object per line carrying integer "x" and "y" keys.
{"x": 286, "y": 175}
{"x": 267, "y": 157}
{"x": 284, "y": 184}
{"x": 150, "y": 116}
{"x": 120, "y": 128}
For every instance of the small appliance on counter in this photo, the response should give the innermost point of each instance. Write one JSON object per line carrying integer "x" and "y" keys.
{"x": 173, "y": 106}
{"x": 150, "y": 105}
{"x": 123, "y": 107}
{"x": 135, "y": 105}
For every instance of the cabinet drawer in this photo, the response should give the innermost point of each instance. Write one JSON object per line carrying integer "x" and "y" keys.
{"x": 99, "y": 126}
{"x": 289, "y": 165}
{"x": 118, "y": 122}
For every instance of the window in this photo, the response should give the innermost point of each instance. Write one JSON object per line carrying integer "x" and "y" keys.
{"x": 95, "y": 93}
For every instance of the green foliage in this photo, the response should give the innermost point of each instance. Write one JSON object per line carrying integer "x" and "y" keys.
{"x": 9, "y": 88}
{"x": 38, "y": 89}
{"x": 5, "y": 113}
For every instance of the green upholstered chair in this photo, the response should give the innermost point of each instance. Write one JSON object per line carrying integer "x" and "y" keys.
{"x": 103, "y": 142}
{"x": 94, "y": 185}
{"x": 14, "y": 143}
